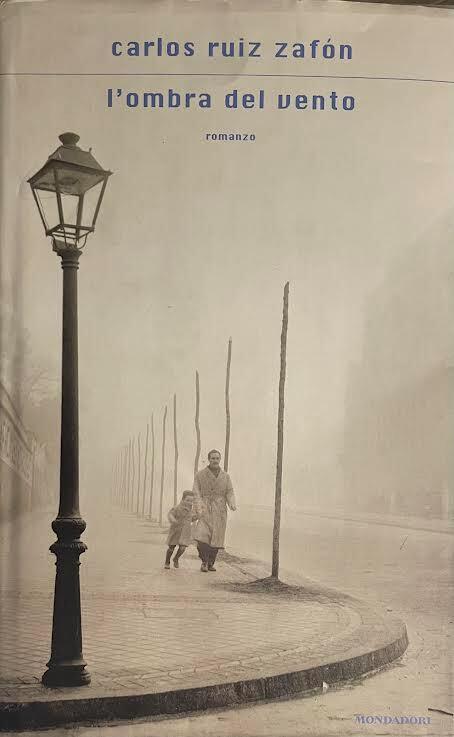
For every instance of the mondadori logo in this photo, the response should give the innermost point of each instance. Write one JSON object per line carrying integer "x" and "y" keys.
{"x": 387, "y": 719}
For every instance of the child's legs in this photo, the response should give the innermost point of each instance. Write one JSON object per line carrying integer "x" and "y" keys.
{"x": 212, "y": 556}
{"x": 204, "y": 551}
{"x": 180, "y": 551}
{"x": 170, "y": 550}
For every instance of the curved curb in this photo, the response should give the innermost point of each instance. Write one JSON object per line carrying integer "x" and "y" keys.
{"x": 386, "y": 638}
{"x": 21, "y": 715}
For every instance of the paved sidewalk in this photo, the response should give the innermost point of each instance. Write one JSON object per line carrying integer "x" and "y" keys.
{"x": 149, "y": 633}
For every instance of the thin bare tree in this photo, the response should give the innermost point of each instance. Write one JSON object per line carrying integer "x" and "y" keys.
{"x": 122, "y": 475}
{"x": 150, "y": 514}
{"x": 133, "y": 476}
{"x": 145, "y": 472}
{"x": 162, "y": 463}
{"x": 138, "y": 474}
{"x": 118, "y": 485}
{"x": 128, "y": 474}
{"x": 175, "y": 446}
{"x": 280, "y": 438}
{"x": 197, "y": 422}
{"x": 227, "y": 407}
{"x": 121, "y": 484}
{"x": 118, "y": 470}
{"x": 113, "y": 486}
{"x": 126, "y": 471}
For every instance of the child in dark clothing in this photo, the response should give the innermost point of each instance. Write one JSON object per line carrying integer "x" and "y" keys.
{"x": 180, "y": 518}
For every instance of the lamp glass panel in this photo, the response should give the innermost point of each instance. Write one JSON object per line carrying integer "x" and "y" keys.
{"x": 69, "y": 207}
{"x": 91, "y": 199}
{"x": 49, "y": 208}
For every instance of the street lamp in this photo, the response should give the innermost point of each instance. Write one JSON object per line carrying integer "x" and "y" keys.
{"x": 68, "y": 191}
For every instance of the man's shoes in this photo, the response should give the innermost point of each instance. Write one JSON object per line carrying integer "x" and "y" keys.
{"x": 204, "y": 568}
{"x": 167, "y": 566}
{"x": 211, "y": 568}
{"x": 176, "y": 563}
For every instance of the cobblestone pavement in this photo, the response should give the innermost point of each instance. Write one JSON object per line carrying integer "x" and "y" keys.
{"x": 146, "y": 628}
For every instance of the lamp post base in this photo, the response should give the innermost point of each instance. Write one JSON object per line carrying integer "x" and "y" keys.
{"x": 66, "y": 666}
{"x": 66, "y": 674}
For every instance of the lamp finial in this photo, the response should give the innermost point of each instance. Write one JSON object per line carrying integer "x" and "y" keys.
{"x": 69, "y": 139}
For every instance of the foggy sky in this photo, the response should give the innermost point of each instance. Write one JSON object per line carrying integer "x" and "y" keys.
{"x": 195, "y": 240}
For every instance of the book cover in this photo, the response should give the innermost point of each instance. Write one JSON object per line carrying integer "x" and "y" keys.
{"x": 226, "y": 368}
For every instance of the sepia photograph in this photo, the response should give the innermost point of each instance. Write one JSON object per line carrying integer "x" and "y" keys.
{"x": 226, "y": 368}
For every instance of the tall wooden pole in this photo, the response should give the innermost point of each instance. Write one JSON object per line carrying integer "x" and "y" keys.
{"x": 128, "y": 472}
{"x": 162, "y": 463}
{"x": 118, "y": 481}
{"x": 175, "y": 446}
{"x": 119, "y": 485}
{"x": 120, "y": 477}
{"x": 145, "y": 472}
{"x": 227, "y": 407}
{"x": 280, "y": 438}
{"x": 114, "y": 488}
{"x": 133, "y": 474}
{"x": 197, "y": 422}
{"x": 138, "y": 474}
{"x": 152, "y": 467}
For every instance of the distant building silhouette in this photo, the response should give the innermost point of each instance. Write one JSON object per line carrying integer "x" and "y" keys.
{"x": 398, "y": 409}
{"x": 23, "y": 464}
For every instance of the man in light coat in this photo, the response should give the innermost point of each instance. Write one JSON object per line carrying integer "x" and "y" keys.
{"x": 213, "y": 494}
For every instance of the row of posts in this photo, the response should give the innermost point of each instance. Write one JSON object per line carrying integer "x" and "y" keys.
{"x": 131, "y": 488}
{"x": 133, "y": 491}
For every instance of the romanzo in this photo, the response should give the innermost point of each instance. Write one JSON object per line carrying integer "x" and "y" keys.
{"x": 229, "y": 137}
